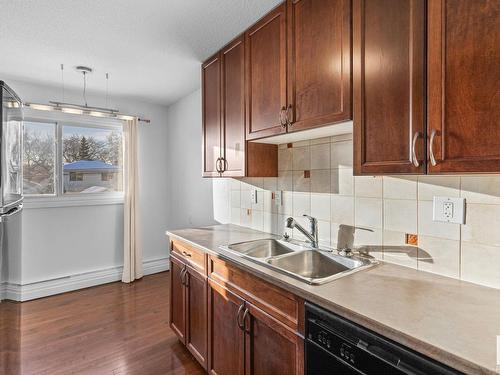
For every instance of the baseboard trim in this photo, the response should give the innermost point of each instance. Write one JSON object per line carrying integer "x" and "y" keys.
{"x": 26, "y": 292}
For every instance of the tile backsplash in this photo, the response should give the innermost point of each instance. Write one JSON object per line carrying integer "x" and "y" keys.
{"x": 316, "y": 178}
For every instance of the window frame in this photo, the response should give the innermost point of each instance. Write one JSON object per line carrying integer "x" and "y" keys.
{"x": 59, "y": 199}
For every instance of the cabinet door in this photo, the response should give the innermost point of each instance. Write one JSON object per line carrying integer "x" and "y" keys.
{"x": 225, "y": 337}
{"x": 233, "y": 108}
{"x": 270, "y": 346}
{"x": 177, "y": 299}
{"x": 196, "y": 315}
{"x": 389, "y": 86}
{"x": 319, "y": 62}
{"x": 211, "y": 148}
{"x": 464, "y": 90}
{"x": 266, "y": 74}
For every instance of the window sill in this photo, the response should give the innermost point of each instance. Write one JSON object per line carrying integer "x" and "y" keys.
{"x": 73, "y": 201}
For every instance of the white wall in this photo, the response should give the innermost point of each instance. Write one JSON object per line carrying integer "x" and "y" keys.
{"x": 191, "y": 201}
{"x": 71, "y": 240}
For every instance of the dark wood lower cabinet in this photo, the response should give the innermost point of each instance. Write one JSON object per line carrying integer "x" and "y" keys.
{"x": 188, "y": 308}
{"x": 196, "y": 315}
{"x": 225, "y": 336}
{"x": 270, "y": 346}
{"x": 232, "y": 322}
{"x": 177, "y": 299}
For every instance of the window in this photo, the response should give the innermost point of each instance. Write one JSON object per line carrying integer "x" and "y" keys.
{"x": 66, "y": 159}
{"x": 75, "y": 176}
{"x": 107, "y": 176}
{"x": 88, "y": 154}
{"x": 39, "y": 158}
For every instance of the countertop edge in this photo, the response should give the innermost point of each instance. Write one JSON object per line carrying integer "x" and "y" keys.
{"x": 425, "y": 348}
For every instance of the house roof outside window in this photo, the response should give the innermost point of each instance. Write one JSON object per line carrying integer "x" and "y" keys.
{"x": 90, "y": 166}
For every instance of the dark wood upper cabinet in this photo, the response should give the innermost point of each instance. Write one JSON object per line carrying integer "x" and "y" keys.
{"x": 211, "y": 113}
{"x": 463, "y": 85}
{"x": 225, "y": 337}
{"x": 270, "y": 346}
{"x": 319, "y": 62}
{"x": 177, "y": 299}
{"x": 233, "y": 108}
{"x": 266, "y": 75}
{"x": 224, "y": 148}
{"x": 389, "y": 86}
{"x": 196, "y": 315}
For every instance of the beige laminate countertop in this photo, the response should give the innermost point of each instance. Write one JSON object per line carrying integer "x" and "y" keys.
{"x": 452, "y": 321}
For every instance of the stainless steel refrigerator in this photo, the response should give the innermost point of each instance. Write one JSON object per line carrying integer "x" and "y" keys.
{"x": 11, "y": 181}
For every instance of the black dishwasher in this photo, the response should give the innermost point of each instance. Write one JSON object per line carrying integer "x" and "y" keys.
{"x": 335, "y": 346}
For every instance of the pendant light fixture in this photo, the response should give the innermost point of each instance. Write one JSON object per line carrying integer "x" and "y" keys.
{"x": 85, "y": 109}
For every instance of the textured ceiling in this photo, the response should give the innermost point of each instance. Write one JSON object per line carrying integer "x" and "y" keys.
{"x": 152, "y": 49}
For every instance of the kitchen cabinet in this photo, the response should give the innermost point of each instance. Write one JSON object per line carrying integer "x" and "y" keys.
{"x": 463, "y": 86}
{"x": 211, "y": 95}
{"x": 258, "y": 343}
{"x": 299, "y": 67}
{"x": 438, "y": 115}
{"x": 188, "y": 300}
{"x": 226, "y": 336}
{"x": 266, "y": 75}
{"x": 389, "y": 86}
{"x": 233, "y": 108}
{"x": 196, "y": 315}
{"x": 224, "y": 149}
{"x": 177, "y": 299}
{"x": 231, "y": 321}
{"x": 319, "y": 63}
{"x": 270, "y": 346}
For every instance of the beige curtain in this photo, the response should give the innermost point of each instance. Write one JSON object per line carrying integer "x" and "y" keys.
{"x": 132, "y": 259}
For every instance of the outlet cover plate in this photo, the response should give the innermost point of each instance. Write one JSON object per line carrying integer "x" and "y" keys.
{"x": 254, "y": 196}
{"x": 278, "y": 198}
{"x": 449, "y": 210}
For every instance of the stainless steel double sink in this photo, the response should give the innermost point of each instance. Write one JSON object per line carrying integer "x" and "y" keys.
{"x": 296, "y": 259}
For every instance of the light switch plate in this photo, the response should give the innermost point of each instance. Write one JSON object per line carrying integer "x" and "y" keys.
{"x": 278, "y": 198}
{"x": 449, "y": 210}
{"x": 254, "y": 196}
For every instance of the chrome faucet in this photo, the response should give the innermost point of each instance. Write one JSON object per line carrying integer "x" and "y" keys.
{"x": 312, "y": 234}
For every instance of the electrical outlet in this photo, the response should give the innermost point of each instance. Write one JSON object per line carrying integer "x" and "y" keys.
{"x": 278, "y": 198}
{"x": 449, "y": 210}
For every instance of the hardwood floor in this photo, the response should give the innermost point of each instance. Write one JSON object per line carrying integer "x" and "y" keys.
{"x": 110, "y": 329}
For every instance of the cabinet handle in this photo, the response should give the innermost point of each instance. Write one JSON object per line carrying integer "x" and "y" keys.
{"x": 223, "y": 165}
{"x": 183, "y": 272}
{"x": 283, "y": 120}
{"x": 434, "y": 132}
{"x": 186, "y": 254}
{"x": 414, "y": 158}
{"x": 238, "y": 320}
{"x": 289, "y": 115}
{"x": 243, "y": 322}
{"x": 217, "y": 165}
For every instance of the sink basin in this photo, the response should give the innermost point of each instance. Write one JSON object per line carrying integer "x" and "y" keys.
{"x": 261, "y": 248}
{"x": 299, "y": 260}
{"x": 314, "y": 266}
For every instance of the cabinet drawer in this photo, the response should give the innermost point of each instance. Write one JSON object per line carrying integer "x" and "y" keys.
{"x": 277, "y": 302}
{"x": 193, "y": 257}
